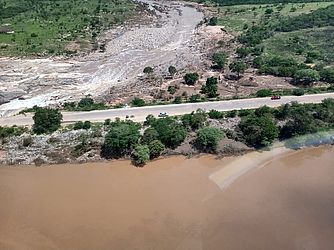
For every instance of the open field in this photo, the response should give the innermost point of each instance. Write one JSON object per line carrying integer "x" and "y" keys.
{"x": 234, "y": 18}
{"x": 57, "y": 27}
{"x": 292, "y": 43}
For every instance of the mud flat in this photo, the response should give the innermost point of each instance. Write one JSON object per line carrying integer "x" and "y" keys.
{"x": 284, "y": 203}
{"x": 43, "y": 82}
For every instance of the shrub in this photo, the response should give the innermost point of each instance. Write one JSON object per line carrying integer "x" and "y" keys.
{"x": 138, "y": 102}
{"x": 306, "y": 76}
{"x": 140, "y": 155}
{"x": 191, "y": 78}
{"x": 156, "y": 148}
{"x": 298, "y": 92}
{"x": 172, "y": 70}
{"x": 215, "y": 114}
{"x": 208, "y": 138}
{"x": 219, "y": 59}
{"x": 211, "y": 87}
{"x": 264, "y": 93}
{"x": 46, "y": 120}
{"x": 213, "y": 21}
{"x": 148, "y": 70}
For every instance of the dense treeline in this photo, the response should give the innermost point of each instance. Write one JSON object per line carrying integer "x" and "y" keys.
{"x": 318, "y": 18}
{"x": 240, "y": 2}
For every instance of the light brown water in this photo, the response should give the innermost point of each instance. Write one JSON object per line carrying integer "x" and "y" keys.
{"x": 170, "y": 204}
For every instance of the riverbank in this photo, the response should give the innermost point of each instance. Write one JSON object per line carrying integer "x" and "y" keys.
{"x": 170, "y": 204}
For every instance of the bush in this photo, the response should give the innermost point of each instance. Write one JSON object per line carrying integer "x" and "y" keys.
{"x": 140, "y": 155}
{"x": 215, "y": 114}
{"x": 120, "y": 139}
{"x": 156, "y": 148}
{"x": 148, "y": 70}
{"x": 213, "y": 21}
{"x": 27, "y": 141}
{"x": 264, "y": 93}
{"x": 211, "y": 87}
{"x": 82, "y": 125}
{"x": 327, "y": 75}
{"x": 46, "y": 120}
{"x": 238, "y": 67}
{"x": 258, "y": 131}
{"x": 306, "y": 76}
{"x": 172, "y": 70}
{"x": 219, "y": 59}
{"x": 138, "y": 102}
{"x": 150, "y": 135}
{"x": 194, "y": 120}
{"x": 298, "y": 92}
{"x": 171, "y": 133}
{"x": 208, "y": 138}
{"x": 191, "y": 78}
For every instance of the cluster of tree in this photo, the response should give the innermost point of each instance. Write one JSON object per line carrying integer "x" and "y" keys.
{"x": 85, "y": 104}
{"x": 11, "y": 131}
{"x": 318, "y": 18}
{"x": 240, "y": 2}
{"x": 259, "y": 128}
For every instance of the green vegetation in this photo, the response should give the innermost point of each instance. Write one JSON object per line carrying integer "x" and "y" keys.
{"x": 239, "y": 2}
{"x": 11, "y": 131}
{"x": 42, "y": 27}
{"x": 210, "y": 88}
{"x": 191, "y": 78}
{"x": 82, "y": 125}
{"x": 219, "y": 59}
{"x": 140, "y": 155}
{"x": 46, "y": 120}
{"x": 85, "y": 104}
{"x": 156, "y": 148}
{"x": 138, "y": 102}
{"x": 208, "y": 138}
{"x": 172, "y": 70}
{"x": 148, "y": 70}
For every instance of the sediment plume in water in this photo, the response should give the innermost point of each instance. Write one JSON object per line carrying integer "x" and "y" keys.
{"x": 170, "y": 204}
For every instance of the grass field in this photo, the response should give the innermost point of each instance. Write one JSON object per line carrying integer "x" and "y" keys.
{"x": 320, "y": 40}
{"x": 42, "y": 27}
{"x": 234, "y": 18}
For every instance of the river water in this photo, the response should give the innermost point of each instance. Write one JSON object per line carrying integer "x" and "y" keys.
{"x": 174, "y": 203}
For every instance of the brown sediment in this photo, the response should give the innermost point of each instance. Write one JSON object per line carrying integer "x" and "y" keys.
{"x": 170, "y": 204}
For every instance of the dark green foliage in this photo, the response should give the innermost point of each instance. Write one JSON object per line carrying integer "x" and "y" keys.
{"x": 171, "y": 132}
{"x": 177, "y": 100}
{"x": 46, "y": 120}
{"x": 172, "y": 70}
{"x": 318, "y": 18}
{"x": 215, "y": 114}
{"x": 208, "y": 138}
{"x": 148, "y": 70}
{"x": 195, "y": 98}
{"x": 150, "y": 135}
{"x": 85, "y": 104}
{"x": 238, "y": 67}
{"x": 258, "y": 131}
{"x": 219, "y": 59}
{"x": 243, "y": 52}
{"x": 149, "y": 120}
{"x": 195, "y": 120}
{"x": 82, "y": 125}
{"x": 138, "y": 102}
{"x": 120, "y": 139}
{"x": 156, "y": 149}
{"x": 140, "y": 155}
{"x": 264, "y": 93}
{"x": 11, "y": 131}
{"x": 213, "y": 21}
{"x": 327, "y": 74}
{"x": 171, "y": 90}
{"x": 306, "y": 76}
{"x": 298, "y": 92}
{"x": 298, "y": 125}
{"x": 210, "y": 88}
{"x": 263, "y": 111}
{"x": 239, "y": 2}
{"x": 231, "y": 113}
{"x": 191, "y": 78}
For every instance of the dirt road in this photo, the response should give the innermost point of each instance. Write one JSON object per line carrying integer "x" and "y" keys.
{"x": 140, "y": 113}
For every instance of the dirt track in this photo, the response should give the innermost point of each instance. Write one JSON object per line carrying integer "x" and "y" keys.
{"x": 48, "y": 81}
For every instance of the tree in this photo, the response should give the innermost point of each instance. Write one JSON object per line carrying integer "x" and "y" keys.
{"x": 238, "y": 67}
{"x": 149, "y": 120}
{"x": 156, "y": 148}
{"x": 171, "y": 133}
{"x": 213, "y": 21}
{"x": 148, "y": 70}
{"x": 327, "y": 75}
{"x": 138, "y": 102}
{"x": 208, "y": 138}
{"x": 243, "y": 52}
{"x": 258, "y": 131}
{"x": 46, "y": 120}
{"x": 300, "y": 124}
{"x": 306, "y": 76}
{"x": 172, "y": 70}
{"x": 140, "y": 155}
{"x": 195, "y": 120}
{"x": 191, "y": 78}
{"x": 264, "y": 93}
{"x": 85, "y": 102}
{"x": 211, "y": 87}
{"x": 215, "y": 114}
{"x": 219, "y": 59}
{"x": 120, "y": 139}
{"x": 150, "y": 135}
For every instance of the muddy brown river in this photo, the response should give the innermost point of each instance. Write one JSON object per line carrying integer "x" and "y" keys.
{"x": 286, "y": 203}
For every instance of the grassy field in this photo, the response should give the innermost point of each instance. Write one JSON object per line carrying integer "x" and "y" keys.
{"x": 234, "y": 18}
{"x": 320, "y": 40}
{"x": 42, "y": 27}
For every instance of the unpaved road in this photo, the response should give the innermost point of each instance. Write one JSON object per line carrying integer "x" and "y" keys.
{"x": 46, "y": 81}
{"x": 140, "y": 113}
